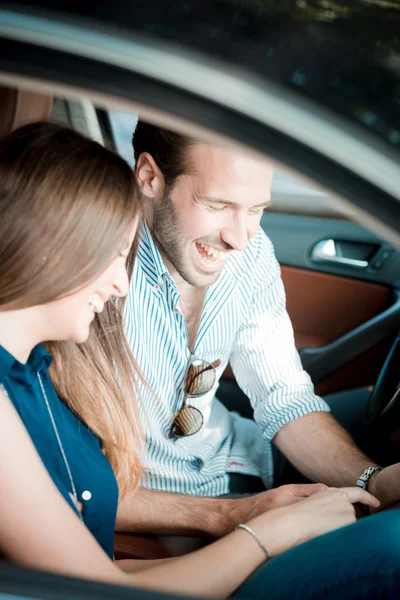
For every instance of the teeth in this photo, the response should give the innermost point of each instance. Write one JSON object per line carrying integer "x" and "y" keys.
{"x": 216, "y": 254}
{"x": 96, "y": 304}
{"x": 99, "y": 307}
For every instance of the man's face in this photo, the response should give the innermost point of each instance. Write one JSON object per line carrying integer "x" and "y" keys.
{"x": 211, "y": 211}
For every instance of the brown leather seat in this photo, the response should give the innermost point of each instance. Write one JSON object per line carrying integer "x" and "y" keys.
{"x": 147, "y": 547}
{"x": 20, "y": 107}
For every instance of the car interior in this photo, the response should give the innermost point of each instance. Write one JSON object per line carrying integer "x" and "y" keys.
{"x": 300, "y": 82}
{"x": 342, "y": 285}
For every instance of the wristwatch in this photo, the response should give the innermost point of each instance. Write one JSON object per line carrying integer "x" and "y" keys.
{"x": 365, "y": 477}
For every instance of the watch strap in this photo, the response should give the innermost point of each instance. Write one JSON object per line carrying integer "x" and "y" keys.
{"x": 364, "y": 478}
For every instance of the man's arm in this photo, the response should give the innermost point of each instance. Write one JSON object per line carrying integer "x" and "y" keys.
{"x": 268, "y": 369}
{"x": 322, "y": 450}
{"x": 164, "y": 513}
{"x": 148, "y": 511}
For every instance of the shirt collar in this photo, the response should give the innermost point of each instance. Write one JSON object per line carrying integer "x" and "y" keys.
{"x": 232, "y": 267}
{"x": 150, "y": 258}
{"x": 39, "y": 360}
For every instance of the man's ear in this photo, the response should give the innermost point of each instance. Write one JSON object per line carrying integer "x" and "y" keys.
{"x": 149, "y": 177}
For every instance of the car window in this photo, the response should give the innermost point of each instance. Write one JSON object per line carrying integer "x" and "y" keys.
{"x": 123, "y": 125}
{"x": 289, "y": 195}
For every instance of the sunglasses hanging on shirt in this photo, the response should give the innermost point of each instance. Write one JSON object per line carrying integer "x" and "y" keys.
{"x": 200, "y": 379}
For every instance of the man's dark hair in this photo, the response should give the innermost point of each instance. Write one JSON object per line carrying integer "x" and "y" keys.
{"x": 169, "y": 150}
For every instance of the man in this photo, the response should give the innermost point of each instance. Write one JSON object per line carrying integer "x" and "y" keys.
{"x": 206, "y": 290}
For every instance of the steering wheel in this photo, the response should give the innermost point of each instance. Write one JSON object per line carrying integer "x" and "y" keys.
{"x": 383, "y": 407}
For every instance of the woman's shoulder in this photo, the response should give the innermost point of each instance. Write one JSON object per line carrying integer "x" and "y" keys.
{"x": 10, "y": 421}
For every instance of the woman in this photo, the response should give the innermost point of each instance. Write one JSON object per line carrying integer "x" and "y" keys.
{"x": 68, "y": 215}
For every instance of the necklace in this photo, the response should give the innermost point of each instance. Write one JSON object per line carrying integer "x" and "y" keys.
{"x": 64, "y": 456}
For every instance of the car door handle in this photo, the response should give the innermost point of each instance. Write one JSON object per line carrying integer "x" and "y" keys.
{"x": 326, "y": 251}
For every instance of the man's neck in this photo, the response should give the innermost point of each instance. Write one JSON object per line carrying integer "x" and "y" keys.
{"x": 191, "y": 301}
{"x": 186, "y": 290}
{"x": 191, "y": 297}
{"x": 191, "y": 306}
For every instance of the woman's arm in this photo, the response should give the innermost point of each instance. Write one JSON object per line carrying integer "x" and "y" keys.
{"x": 37, "y": 526}
{"x": 38, "y": 529}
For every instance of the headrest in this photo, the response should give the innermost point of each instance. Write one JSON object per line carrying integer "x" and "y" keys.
{"x": 19, "y": 107}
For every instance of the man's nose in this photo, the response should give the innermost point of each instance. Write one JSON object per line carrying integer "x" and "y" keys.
{"x": 236, "y": 232}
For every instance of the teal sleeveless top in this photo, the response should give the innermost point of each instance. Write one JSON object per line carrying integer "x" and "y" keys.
{"x": 92, "y": 474}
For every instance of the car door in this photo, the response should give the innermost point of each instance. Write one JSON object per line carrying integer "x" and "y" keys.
{"x": 341, "y": 283}
{"x": 342, "y": 289}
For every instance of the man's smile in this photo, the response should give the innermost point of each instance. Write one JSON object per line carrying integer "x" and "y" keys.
{"x": 211, "y": 257}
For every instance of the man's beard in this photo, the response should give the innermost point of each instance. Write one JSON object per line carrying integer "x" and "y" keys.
{"x": 167, "y": 235}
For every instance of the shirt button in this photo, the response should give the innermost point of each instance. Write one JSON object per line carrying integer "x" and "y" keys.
{"x": 197, "y": 464}
{"x": 86, "y": 495}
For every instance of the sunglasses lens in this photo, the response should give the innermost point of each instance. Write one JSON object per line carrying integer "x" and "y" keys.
{"x": 199, "y": 379}
{"x": 187, "y": 422}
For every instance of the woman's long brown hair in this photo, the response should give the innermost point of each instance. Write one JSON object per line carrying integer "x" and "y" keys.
{"x": 66, "y": 207}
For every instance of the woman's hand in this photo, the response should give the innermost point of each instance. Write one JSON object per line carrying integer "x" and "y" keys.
{"x": 285, "y": 527}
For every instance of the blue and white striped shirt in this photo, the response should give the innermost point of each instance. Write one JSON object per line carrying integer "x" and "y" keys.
{"x": 244, "y": 323}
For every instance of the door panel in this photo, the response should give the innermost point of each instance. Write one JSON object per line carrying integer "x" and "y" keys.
{"x": 295, "y": 236}
{"x": 344, "y": 316}
{"x": 362, "y": 371}
{"x": 323, "y": 307}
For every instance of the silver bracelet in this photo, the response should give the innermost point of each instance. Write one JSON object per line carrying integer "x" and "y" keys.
{"x": 255, "y": 536}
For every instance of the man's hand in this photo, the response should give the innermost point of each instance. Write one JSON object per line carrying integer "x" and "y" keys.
{"x": 164, "y": 513}
{"x": 385, "y": 485}
{"x": 241, "y": 510}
